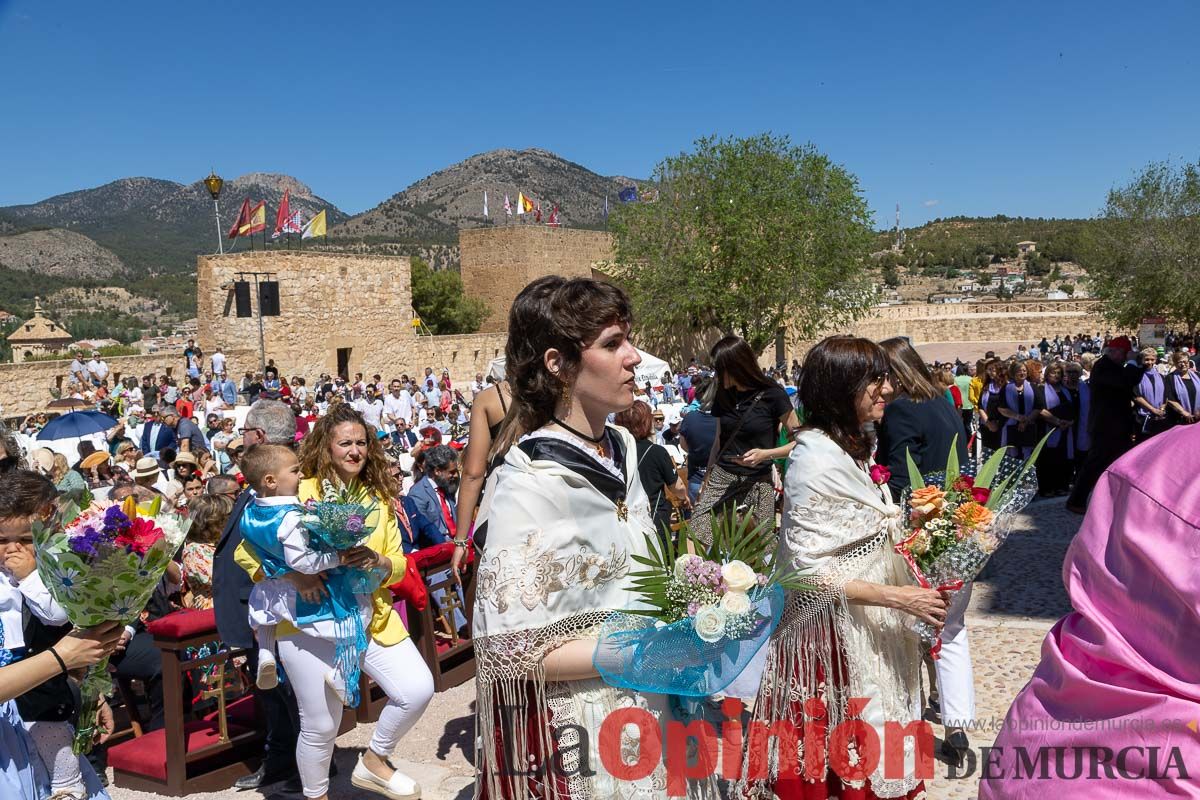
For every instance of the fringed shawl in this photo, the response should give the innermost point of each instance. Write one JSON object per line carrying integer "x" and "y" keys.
{"x": 556, "y": 564}
{"x": 838, "y": 526}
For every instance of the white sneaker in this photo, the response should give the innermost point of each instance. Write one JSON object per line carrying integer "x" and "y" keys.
{"x": 336, "y": 681}
{"x": 398, "y": 787}
{"x": 267, "y": 676}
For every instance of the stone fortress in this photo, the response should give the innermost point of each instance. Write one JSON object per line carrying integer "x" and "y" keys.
{"x": 353, "y": 313}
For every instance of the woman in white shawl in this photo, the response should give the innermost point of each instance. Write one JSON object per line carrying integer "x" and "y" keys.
{"x": 852, "y": 636}
{"x": 562, "y": 518}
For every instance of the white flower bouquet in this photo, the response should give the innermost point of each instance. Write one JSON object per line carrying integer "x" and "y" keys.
{"x": 703, "y": 612}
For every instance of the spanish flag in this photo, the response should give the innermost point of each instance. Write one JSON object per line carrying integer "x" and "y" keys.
{"x": 524, "y": 204}
{"x": 315, "y": 226}
{"x": 257, "y": 220}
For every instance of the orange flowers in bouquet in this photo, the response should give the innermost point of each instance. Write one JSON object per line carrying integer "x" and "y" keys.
{"x": 954, "y": 519}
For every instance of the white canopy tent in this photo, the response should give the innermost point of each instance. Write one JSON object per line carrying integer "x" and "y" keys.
{"x": 649, "y": 371}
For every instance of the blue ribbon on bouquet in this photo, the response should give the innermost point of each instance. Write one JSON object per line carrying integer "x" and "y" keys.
{"x": 639, "y": 653}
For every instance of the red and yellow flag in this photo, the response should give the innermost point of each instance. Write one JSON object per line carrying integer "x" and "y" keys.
{"x": 257, "y": 221}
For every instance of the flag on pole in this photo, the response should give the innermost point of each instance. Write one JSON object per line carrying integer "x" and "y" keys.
{"x": 315, "y": 226}
{"x": 293, "y": 224}
{"x": 537, "y": 212}
{"x": 485, "y": 204}
{"x": 507, "y": 206}
{"x": 524, "y": 206}
{"x": 282, "y": 215}
{"x": 258, "y": 220}
{"x": 553, "y": 217}
{"x": 628, "y": 195}
{"x": 243, "y": 218}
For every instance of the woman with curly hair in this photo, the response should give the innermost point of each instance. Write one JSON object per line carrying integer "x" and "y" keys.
{"x": 342, "y": 452}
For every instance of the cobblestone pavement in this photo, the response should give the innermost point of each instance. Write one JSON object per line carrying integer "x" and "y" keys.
{"x": 1018, "y": 598}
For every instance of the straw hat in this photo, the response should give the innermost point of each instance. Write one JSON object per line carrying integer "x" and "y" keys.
{"x": 186, "y": 458}
{"x": 146, "y": 467}
{"x": 94, "y": 460}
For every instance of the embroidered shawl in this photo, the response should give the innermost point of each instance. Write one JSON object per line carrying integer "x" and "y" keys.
{"x": 838, "y": 526}
{"x": 556, "y": 564}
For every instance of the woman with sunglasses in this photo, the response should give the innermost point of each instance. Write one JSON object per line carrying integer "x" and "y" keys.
{"x": 850, "y": 637}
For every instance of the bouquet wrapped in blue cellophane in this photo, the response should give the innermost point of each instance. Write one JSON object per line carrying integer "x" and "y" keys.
{"x": 342, "y": 519}
{"x": 702, "y": 616}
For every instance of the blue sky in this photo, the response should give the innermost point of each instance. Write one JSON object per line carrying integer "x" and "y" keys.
{"x": 1022, "y": 108}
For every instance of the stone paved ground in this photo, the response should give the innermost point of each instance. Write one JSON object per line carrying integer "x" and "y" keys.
{"x": 1018, "y": 599}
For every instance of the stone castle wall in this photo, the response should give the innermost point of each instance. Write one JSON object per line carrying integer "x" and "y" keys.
{"x": 360, "y": 304}
{"x": 498, "y": 262}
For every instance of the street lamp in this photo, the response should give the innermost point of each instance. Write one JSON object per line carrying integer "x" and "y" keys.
{"x": 214, "y": 184}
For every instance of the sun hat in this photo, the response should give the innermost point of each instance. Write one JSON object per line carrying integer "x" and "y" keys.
{"x": 186, "y": 458}
{"x": 146, "y": 467}
{"x": 94, "y": 460}
{"x": 42, "y": 460}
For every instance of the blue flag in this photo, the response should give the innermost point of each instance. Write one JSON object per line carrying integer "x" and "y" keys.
{"x": 628, "y": 195}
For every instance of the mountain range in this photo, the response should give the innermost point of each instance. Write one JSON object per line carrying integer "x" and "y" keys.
{"x": 145, "y": 233}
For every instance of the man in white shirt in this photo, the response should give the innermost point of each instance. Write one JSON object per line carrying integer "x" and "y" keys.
{"x": 432, "y": 393}
{"x": 218, "y": 362}
{"x": 397, "y": 407}
{"x": 477, "y": 385}
{"x": 371, "y": 409}
{"x": 97, "y": 369}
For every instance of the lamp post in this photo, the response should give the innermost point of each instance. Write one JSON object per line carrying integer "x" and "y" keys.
{"x": 214, "y": 184}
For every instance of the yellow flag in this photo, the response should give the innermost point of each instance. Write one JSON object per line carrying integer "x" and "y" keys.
{"x": 524, "y": 204}
{"x": 315, "y": 227}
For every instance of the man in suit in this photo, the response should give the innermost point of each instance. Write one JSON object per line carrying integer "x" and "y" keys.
{"x": 272, "y": 422}
{"x": 158, "y": 435}
{"x": 434, "y": 495}
{"x": 433, "y": 498}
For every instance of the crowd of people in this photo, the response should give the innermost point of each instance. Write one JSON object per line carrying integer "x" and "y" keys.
{"x": 546, "y": 480}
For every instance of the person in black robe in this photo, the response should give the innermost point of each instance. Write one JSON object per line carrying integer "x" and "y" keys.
{"x": 1110, "y": 417}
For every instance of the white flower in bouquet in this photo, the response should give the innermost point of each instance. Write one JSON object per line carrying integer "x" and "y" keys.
{"x": 735, "y": 603}
{"x": 709, "y": 623}
{"x": 681, "y": 564}
{"x": 738, "y": 576}
{"x": 939, "y": 527}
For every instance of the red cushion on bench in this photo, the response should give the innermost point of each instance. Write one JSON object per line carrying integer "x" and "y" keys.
{"x": 147, "y": 755}
{"x": 184, "y": 624}
{"x": 432, "y": 556}
{"x": 243, "y": 711}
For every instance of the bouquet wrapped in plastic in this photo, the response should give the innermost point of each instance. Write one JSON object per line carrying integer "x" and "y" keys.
{"x": 101, "y": 563}
{"x": 702, "y": 616}
{"x": 342, "y": 519}
{"x": 957, "y": 519}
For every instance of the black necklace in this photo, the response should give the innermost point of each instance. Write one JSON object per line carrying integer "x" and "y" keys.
{"x": 593, "y": 439}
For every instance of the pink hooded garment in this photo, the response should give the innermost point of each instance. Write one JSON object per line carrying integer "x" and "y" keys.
{"x": 1122, "y": 671}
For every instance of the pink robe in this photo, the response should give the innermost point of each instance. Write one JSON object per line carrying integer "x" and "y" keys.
{"x": 1122, "y": 671}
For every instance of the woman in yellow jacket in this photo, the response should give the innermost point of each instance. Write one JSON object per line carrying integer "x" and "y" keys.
{"x": 342, "y": 449}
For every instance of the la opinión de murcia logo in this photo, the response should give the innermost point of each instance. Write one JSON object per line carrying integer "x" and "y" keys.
{"x": 852, "y": 749}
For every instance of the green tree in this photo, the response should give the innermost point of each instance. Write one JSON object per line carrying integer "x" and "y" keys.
{"x": 1144, "y": 256}
{"x": 747, "y": 236}
{"x": 437, "y": 297}
{"x": 890, "y": 276}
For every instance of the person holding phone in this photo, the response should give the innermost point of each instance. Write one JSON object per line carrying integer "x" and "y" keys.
{"x": 750, "y": 409}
